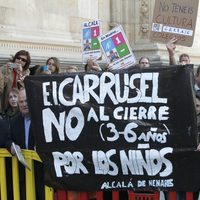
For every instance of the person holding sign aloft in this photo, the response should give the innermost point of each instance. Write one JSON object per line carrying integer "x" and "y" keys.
{"x": 184, "y": 59}
{"x": 92, "y": 65}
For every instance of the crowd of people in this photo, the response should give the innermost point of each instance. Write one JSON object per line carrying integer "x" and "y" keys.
{"x": 15, "y": 121}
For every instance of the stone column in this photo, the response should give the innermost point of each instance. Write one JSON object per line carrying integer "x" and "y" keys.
{"x": 135, "y": 17}
{"x": 115, "y": 13}
{"x": 140, "y": 22}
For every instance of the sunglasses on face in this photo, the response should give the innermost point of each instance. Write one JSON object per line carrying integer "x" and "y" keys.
{"x": 22, "y": 59}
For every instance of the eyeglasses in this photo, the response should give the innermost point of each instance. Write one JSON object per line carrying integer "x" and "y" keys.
{"x": 22, "y": 59}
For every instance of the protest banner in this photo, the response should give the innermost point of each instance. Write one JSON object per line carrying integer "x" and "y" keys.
{"x": 125, "y": 130}
{"x": 174, "y": 19}
{"x": 116, "y": 49}
{"x": 90, "y": 45}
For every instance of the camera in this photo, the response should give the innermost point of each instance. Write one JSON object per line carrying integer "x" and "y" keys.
{"x": 14, "y": 65}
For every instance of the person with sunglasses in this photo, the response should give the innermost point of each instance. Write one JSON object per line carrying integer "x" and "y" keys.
{"x": 12, "y": 75}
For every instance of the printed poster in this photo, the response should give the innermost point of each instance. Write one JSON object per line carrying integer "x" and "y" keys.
{"x": 116, "y": 49}
{"x": 175, "y": 19}
{"x": 90, "y": 44}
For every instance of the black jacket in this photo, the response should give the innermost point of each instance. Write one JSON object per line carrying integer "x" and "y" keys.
{"x": 3, "y": 133}
{"x": 17, "y": 133}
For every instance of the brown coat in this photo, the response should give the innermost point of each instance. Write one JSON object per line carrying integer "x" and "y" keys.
{"x": 6, "y": 84}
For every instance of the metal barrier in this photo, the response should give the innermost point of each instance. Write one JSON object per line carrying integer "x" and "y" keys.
{"x": 144, "y": 196}
{"x": 62, "y": 195}
{"x": 30, "y": 156}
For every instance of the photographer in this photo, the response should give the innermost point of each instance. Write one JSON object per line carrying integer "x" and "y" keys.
{"x": 13, "y": 74}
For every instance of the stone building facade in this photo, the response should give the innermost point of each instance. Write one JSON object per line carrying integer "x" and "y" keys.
{"x": 53, "y": 28}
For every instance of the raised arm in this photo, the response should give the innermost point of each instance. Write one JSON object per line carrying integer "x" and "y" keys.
{"x": 171, "y": 46}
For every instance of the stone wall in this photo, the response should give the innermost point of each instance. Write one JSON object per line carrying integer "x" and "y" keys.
{"x": 47, "y": 28}
{"x": 53, "y": 28}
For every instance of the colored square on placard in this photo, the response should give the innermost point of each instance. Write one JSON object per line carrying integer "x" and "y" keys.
{"x": 112, "y": 55}
{"x": 87, "y": 33}
{"x": 87, "y": 45}
{"x": 108, "y": 45}
{"x": 118, "y": 39}
{"x": 123, "y": 50}
{"x": 95, "y": 31}
{"x": 95, "y": 44}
